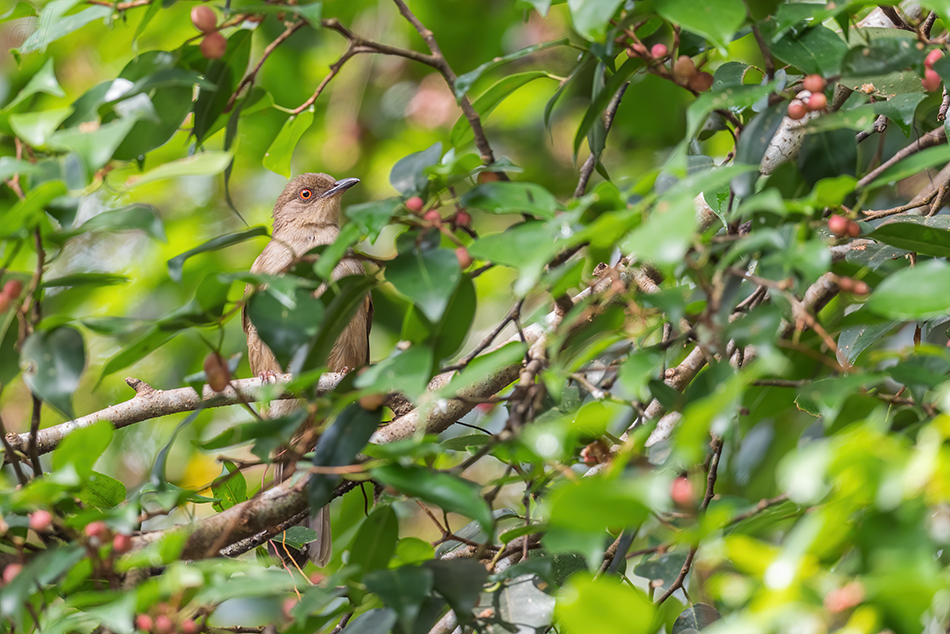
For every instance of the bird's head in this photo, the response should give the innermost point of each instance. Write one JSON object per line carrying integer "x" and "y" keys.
{"x": 311, "y": 199}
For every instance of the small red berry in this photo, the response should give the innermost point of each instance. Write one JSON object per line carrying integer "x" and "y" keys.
{"x": 861, "y": 288}
{"x": 40, "y": 520}
{"x": 838, "y": 226}
{"x": 854, "y": 229}
{"x": 204, "y": 19}
{"x": 97, "y": 532}
{"x": 164, "y": 624}
{"x": 932, "y": 57}
{"x": 433, "y": 216}
{"x": 931, "y": 81}
{"x": 11, "y": 571}
{"x": 817, "y": 101}
{"x": 121, "y": 544}
{"x": 659, "y": 50}
{"x": 636, "y": 50}
{"x": 188, "y": 626}
{"x": 681, "y": 492}
{"x": 701, "y": 82}
{"x": 683, "y": 69}
{"x": 814, "y": 83}
{"x": 144, "y": 622}
{"x": 13, "y": 288}
{"x": 288, "y": 606}
{"x": 846, "y": 284}
{"x": 488, "y": 177}
{"x": 213, "y": 45}
{"x": 463, "y": 218}
{"x": 415, "y": 204}
{"x": 797, "y": 109}
{"x": 4, "y": 302}
{"x": 465, "y": 260}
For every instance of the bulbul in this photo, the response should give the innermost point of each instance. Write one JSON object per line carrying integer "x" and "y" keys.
{"x": 307, "y": 215}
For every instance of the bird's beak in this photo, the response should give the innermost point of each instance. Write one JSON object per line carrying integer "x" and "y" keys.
{"x": 340, "y": 187}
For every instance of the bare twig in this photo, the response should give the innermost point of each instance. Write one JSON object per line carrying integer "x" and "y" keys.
{"x": 880, "y": 125}
{"x": 249, "y": 78}
{"x": 895, "y": 17}
{"x": 932, "y": 138}
{"x": 588, "y": 168}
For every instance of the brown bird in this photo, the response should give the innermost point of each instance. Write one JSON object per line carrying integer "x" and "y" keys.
{"x": 307, "y": 215}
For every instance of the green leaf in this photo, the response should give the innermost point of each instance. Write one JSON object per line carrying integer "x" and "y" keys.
{"x": 527, "y": 246}
{"x": 604, "y": 605}
{"x": 375, "y": 541}
{"x": 102, "y": 492}
{"x": 696, "y": 617}
{"x": 663, "y": 568}
{"x": 920, "y": 292}
{"x": 596, "y": 109}
{"x": 52, "y": 362}
{"x": 428, "y": 277}
{"x": 729, "y": 97}
{"x": 854, "y": 340}
{"x": 36, "y": 127}
{"x": 224, "y": 74}
{"x": 918, "y": 234}
{"x": 176, "y": 263}
{"x": 509, "y": 198}
{"x": 229, "y": 488}
{"x": 816, "y": 50}
{"x": 82, "y": 448}
{"x": 45, "y": 568}
{"x": 43, "y": 81}
{"x": 408, "y": 176}
{"x": 281, "y": 151}
{"x": 486, "y": 103}
{"x": 96, "y": 146}
{"x": 375, "y": 621}
{"x": 591, "y": 17}
{"x": 56, "y": 24}
{"x": 296, "y": 537}
{"x": 338, "y": 446}
{"x": 755, "y": 139}
{"x": 372, "y": 216}
{"x": 595, "y": 504}
{"x": 285, "y": 330}
{"x": 449, "y": 492}
{"x": 465, "y": 82}
{"x": 882, "y": 55}
{"x": 460, "y": 581}
{"x": 403, "y": 589}
{"x": 404, "y": 371}
{"x": 137, "y": 216}
{"x": 717, "y": 21}
{"x": 27, "y": 212}
{"x": 913, "y": 164}
{"x": 202, "y": 164}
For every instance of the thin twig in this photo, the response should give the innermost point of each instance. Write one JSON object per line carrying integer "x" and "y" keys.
{"x": 873, "y": 215}
{"x": 932, "y": 138}
{"x": 249, "y": 78}
{"x": 512, "y": 315}
{"x": 879, "y": 126}
{"x": 895, "y": 17}
{"x": 588, "y": 169}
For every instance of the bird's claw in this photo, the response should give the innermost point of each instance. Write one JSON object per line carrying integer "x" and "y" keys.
{"x": 267, "y": 376}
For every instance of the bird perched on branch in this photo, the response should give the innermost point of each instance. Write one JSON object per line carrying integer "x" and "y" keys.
{"x": 307, "y": 215}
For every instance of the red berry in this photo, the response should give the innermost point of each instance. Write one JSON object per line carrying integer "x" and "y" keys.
{"x": 204, "y": 19}
{"x": 213, "y": 45}
{"x": 817, "y": 101}
{"x": 854, "y": 229}
{"x": 931, "y": 81}
{"x": 659, "y": 50}
{"x": 838, "y": 226}
{"x": 861, "y": 288}
{"x": 701, "y": 82}
{"x": 797, "y": 109}
{"x": 4, "y": 302}
{"x": 682, "y": 492}
{"x": 636, "y": 50}
{"x": 40, "y": 520}
{"x": 288, "y": 605}
{"x": 13, "y": 288}
{"x": 188, "y": 626}
{"x": 932, "y": 57}
{"x": 463, "y": 218}
{"x": 121, "y": 544}
{"x": 11, "y": 571}
{"x": 433, "y": 216}
{"x": 216, "y": 372}
{"x": 164, "y": 624}
{"x": 846, "y": 284}
{"x": 415, "y": 204}
{"x": 488, "y": 177}
{"x": 683, "y": 69}
{"x": 814, "y": 83}
{"x": 144, "y": 622}
{"x": 465, "y": 260}
{"x": 97, "y": 532}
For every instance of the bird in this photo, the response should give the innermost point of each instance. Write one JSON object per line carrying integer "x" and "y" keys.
{"x": 307, "y": 215}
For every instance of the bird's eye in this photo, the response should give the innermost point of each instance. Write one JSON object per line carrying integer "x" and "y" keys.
{"x": 305, "y": 194}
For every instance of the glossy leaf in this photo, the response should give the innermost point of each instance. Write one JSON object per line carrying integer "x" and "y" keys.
{"x": 460, "y": 582}
{"x": 914, "y": 293}
{"x": 285, "y": 330}
{"x": 508, "y": 198}
{"x": 375, "y": 621}
{"x": 927, "y": 236}
{"x": 202, "y": 164}
{"x": 338, "y": 446}
{"x": 375, "y": 542}
{"x": 697, "y": 617}
{"x": 176, "y": 264}
{"x": 229, "y": 488}
{"x": 604, "y": 605}
{"x": 53, "y": 362}
{"x": 813, "y": 50}
{"x": 591, "y": 17}
{"x": 465, "y": 81}
{"x": 716, "y": 21}
{"x": 487, "y": 102}
{"x": 81, "y": 449}
{"x": 403, "y": 589}
{"x": 44, "y": 81}
{"x": 882, "y": 55}
{"x": 427, "y": 277}
{"x": 452, "y": 494}
{"x": 408, "y": 175}
{"x": 278, "y": 156}
{"x": 223, "y": 74}
{"x": 57, "y": 25}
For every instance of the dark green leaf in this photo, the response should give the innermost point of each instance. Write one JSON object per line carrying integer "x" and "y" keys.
{"x": 338, "y": 446}
{"x": 224, "y": 74}
{"x": 591, "y": 17}
{"x": 427, "y": 277}
{"x": 176, "y": 263}
{"x": 52, "y": 362}
{"x": 85, "y": 279}
{"x": 132, "y": 217}
{"x": 464, "y": 82}
{"x": 375, "y": 542}
{"x": 286, "y": 331}
{"x": 449, "y": 492}
{"x": 486, "y": 103}
{"x": 856, "y": 339}
{"x": 697, "y": 617}
{"x": 27, "y": 212}
{"x": 752, "y": 144}
{"x": 663, "y": 569}
{"x": 132, "y": 353}
{"x": 82, "y": 448}
{"x": 881, "y": 55}
{"x": 402, "y": 589}
{"x": 296, "y": 537}
{"x": 44, "y": 568}
{"x": 460, "y": 581}
{"x": 599, "y": 104}
{"x": 372, "y": 216}
{"x": 405, "y": 371}
{"x": 408, "y": 175}
{"x": 814, "y": 50}
{"x": 509, "y": 198}
{"x": 102, "y": 492}
{"x": 928, "y": 236}
{"x": 375, "y": 621}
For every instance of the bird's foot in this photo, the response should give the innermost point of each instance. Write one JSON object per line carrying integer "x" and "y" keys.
{"x": 267, "y": 376}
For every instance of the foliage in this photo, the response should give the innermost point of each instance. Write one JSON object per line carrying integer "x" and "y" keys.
{"x": 656, "y": 355}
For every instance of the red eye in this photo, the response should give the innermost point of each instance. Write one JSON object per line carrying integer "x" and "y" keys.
{"x": 305, "y": 194}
